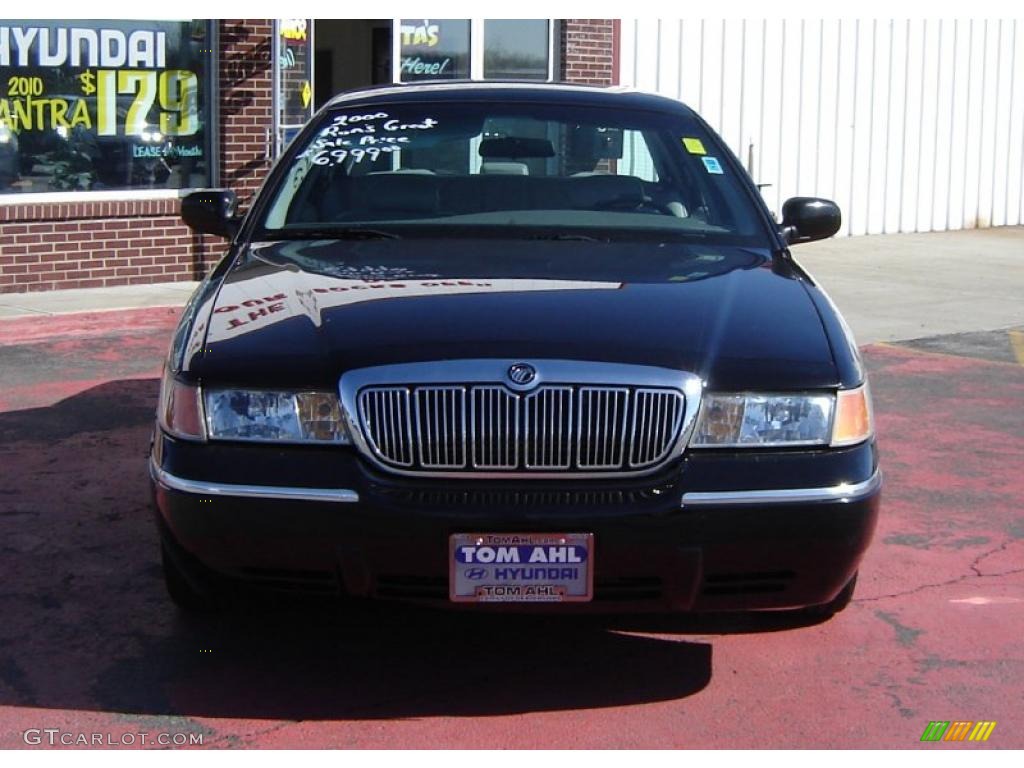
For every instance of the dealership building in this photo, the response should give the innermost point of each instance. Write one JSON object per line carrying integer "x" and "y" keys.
{"x": 908, "y": 125}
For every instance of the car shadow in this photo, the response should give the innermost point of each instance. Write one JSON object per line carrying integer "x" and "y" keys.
{"x": 390, "y": 661}
{"x": 87, "y": 624}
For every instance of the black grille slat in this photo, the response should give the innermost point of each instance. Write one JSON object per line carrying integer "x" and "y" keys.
{"x": 747, "y": 583}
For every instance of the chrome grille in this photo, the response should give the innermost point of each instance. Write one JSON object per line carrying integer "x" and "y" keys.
{"x": 555, "y": 428}
{"x": 656, "y": 417}
{"x": 441, "y": 427}
{"x": 548, "y": 416}
{"x": 495, "y": 426}
{"x": 385, "y": 416}
{"x": 602, "y": 420}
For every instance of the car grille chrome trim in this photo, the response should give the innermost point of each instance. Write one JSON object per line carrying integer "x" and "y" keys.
{"x": 602, "y": 418}
{"x": 440, "y": 426}
{"x": 656, "y": 417}
{"x": 463, "y": 419}
{"x": 844, "y": 492}
{"x": 385, "y": 417}
{"x": 563, "y": 427}
{"x": 494, "y": 411}
{"x": 208, "y": 488}
{"x": 549, "y": 428}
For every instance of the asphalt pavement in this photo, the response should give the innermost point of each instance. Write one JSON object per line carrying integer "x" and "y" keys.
{"x": 90, "y": 643}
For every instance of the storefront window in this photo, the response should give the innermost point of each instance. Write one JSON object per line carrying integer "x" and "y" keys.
{"x": 104, "y": 105}
{"x": 434, "y": 49}
{"x": 516, "y": 49}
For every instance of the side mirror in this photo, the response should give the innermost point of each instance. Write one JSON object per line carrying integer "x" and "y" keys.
{"x": 210, "y": 212}
{"x": 809, "y": 218}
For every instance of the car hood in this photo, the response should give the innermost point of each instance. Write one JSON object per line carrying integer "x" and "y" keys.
{"x": 300, "y": 313}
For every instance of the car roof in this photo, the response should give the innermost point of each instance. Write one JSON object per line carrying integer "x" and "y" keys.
{"x": 615, "y": 97}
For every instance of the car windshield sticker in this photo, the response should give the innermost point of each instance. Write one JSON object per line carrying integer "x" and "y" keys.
{"x": 712, "y": 164}
{"x": 694, "y": 146}
{"x": 359, "y": 137}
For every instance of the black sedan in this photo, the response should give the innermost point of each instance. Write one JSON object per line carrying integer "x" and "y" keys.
{"x": 514, "y": 347}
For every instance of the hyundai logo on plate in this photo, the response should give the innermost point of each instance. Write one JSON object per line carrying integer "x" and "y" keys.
{"x": 475, "y": 574}
{"x": 522, "y": 373}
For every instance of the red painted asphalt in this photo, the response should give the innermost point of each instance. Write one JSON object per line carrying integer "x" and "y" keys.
{"x": 89, "y": 643}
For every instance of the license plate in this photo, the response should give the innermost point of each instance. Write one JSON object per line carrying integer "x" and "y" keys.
{"x": 521, "y": 567}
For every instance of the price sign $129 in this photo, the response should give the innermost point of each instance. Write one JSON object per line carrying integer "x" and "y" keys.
{"x": 176, "y": 89}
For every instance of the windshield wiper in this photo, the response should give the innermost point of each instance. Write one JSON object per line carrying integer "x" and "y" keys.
{"x": 569, "y": 236}
{"x": 659, "y": 236}
{"x": 335, "y": 233}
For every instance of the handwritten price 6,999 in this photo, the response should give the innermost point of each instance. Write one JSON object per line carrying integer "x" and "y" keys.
{"x": 330, "y": 157}
{"x": 176, "y": 89}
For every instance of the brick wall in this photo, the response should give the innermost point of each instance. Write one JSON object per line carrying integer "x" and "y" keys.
{"x": 93, "y": 244}
{"x": 246, "y": 104}
{"x": 89, "y": 245}
{"x": 590, "y": 49}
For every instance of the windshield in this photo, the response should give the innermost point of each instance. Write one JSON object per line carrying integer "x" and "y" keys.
{"x": 510, "y": 170}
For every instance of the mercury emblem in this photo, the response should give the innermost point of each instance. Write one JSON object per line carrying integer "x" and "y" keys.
{"x": 522, "y": 373}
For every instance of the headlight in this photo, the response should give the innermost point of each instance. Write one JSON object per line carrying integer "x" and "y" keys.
{"x": 780, "y": 420}
{"x": 286, "y": 417}
{"x": 754, "y": 420}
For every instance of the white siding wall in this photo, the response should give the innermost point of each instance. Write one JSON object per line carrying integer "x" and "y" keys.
{"x": 910, "y": 126}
